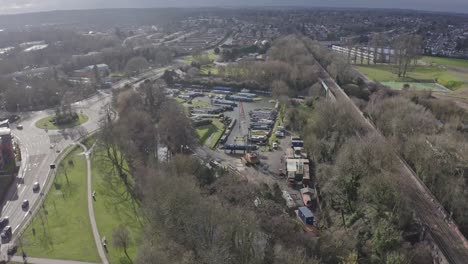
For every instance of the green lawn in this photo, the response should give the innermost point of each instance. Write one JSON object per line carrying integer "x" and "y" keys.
{"x": 447, "y": 61}
{"x": 45, "y": 123}
{"x": 386, "y": 73}
{"x": 210, "y": 69}
{"x": 114, "y": 207}
{"x": 210, "y": 134}
{"x": 62, "y": 229}
{"x": 89, "y": 141}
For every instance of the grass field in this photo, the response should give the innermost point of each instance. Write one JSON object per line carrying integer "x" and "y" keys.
{"x": 89, "y": 141}
{"x": 210, "y": 134}
{"x": 210, "y": 69}
{"x": 45, "y": 123}
{"x": 210, "y": 53}
{"x": 114, "y": 207}
{"x": 386, "y": 73}
{"x": 62, "y": 229}
{"x": 447, "y": 61}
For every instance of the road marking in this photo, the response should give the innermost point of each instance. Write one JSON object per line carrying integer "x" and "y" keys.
{"x": 24, "y": 188}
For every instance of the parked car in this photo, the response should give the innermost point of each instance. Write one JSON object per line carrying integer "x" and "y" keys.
{"x": 4, "y": 222}
{"x": 275, "y": 145}
{"x": 36, "y": 187}
{"x": 215, "y": 164}
{"x": 25, "y": 204}
{"x": 6, "y": 233}
{"x": 12, "y": 250}
{"x": 19, "y": 126}
{"x": 280, "y": 134}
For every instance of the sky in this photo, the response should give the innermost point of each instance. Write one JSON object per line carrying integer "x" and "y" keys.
{"x": 23, "y": 6}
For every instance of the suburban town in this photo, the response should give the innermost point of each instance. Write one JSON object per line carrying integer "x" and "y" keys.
{"x": 233, "y": 135}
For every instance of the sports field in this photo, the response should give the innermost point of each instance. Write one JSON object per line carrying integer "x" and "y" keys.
{"x": 446, "y": 61}
{"x": 417, "y": 74}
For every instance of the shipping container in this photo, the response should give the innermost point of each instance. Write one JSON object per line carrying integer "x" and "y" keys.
{"x": 306, "y": 215}
{"x": 221, "y": 88}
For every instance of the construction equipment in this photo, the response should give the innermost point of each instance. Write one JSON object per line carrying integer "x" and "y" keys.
{"x": 250, "y": 158}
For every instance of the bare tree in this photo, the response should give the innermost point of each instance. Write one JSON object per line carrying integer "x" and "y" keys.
{"x": 121, "y": 239}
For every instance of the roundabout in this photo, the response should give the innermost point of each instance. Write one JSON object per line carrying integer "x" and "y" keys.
{"x": 47, "y": 122}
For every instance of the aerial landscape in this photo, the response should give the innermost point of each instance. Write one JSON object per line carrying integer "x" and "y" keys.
{"x": 252, "y": 132}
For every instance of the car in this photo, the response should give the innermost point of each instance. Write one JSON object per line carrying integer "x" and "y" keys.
{"x": 19, "y": 126}
{"x": 4, "y": 222}
{"x": 279, "y": 134}
{"x": 25, "y": 204}
{"x": 6, "y": 233}
{"x": 36, "y": 186}
{"x": 12, "y": 250}
{"x": 275, "y": 145}
{"x": 215, "y": 164}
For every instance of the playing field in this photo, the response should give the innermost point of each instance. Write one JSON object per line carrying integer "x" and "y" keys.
{"x": 417, "y": 86}
{"x": 447, "y": 61}
{"x": 416, "y": 74}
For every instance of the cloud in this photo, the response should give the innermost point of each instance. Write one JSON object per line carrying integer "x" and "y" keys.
{"x": 19, "y": 6}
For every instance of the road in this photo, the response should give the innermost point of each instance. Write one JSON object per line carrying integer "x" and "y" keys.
{"x": 41, "y": 148}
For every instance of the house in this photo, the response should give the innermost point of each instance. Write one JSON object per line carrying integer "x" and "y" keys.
{"x": 88, "y": 71}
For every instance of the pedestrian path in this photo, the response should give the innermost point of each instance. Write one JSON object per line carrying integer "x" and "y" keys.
{"x": 92, "y": 218}
{"x": 47, "y": 261}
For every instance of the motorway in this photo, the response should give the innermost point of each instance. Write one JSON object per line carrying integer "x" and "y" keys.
{"x": 41, "y": 148}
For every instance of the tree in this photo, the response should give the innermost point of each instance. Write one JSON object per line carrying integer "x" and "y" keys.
{"x": 407, "y": 49}
{"x": 121, "y": 239}
{"x": 135, "y": 65}
{"x": 280, "y": 89}
{"x": 97, "y": 75}
{"x": 377, "y": 43}
{"x": 175, "y": 129}
{"x": 217, "y": 50}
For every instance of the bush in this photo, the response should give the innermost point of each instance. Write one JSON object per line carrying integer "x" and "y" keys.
{"x": 65, "y": 118}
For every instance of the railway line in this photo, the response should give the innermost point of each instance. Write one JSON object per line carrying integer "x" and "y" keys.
{"x": 426, "y": 207}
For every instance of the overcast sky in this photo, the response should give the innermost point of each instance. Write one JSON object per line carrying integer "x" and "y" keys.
{"x": 21, "y": 6}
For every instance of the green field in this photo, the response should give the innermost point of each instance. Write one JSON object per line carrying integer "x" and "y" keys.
{"x": 62, "y": 229}
{"x": 210, "y": 134}
{"x": 386, "y": 73}
{"x": 446, "y": 61}
{"x": 114, "y": 207}
{"x": 210, "y": 53}
{"x": 210, "y": 69}
{"x": 45, "y": 123}
{"x": 416, "y": 86}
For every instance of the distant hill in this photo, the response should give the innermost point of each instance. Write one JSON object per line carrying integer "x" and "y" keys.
{"x": 96, "y": 19}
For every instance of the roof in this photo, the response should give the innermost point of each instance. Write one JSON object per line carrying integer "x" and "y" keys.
{"x": 296, "y": 165}
{"x": 306, "y": 212}
{"x": 5, "y": 131}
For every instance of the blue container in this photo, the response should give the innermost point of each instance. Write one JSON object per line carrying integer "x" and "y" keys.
{"x": 306, "y": 215}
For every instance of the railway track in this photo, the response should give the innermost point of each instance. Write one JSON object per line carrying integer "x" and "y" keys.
{"x": 444, "y": 232}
